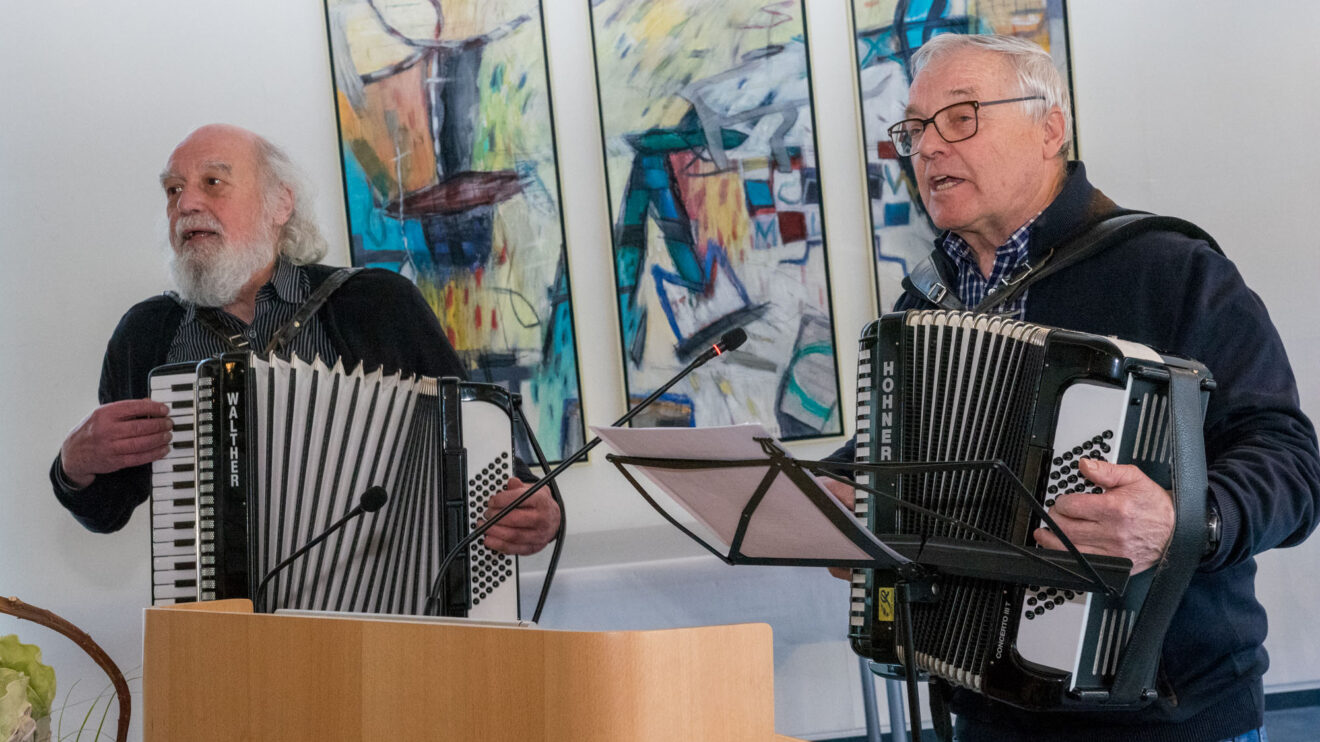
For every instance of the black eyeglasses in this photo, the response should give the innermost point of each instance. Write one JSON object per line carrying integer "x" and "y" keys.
{"x": 954, "y": 123}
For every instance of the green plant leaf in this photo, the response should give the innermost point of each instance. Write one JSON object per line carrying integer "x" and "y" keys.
{"x": 26, "y": 659}
{"x": 14, "y": 701}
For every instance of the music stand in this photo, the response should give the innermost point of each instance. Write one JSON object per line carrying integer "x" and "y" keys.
{"x": 749, "y": 495}
{"x": 767, "y": 508}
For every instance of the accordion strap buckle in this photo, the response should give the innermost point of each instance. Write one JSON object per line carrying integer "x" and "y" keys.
{"x": 1018, "y": 276}
{"x": 1026, "y": 270}
{"x": 926, "y": 280}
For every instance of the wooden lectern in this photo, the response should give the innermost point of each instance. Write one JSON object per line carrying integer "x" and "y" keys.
{"x": 216, "y": 671}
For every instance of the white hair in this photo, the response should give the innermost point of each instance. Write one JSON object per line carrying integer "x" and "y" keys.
{"x": 300, "y": 240}
{"x": 1035, "y": 70}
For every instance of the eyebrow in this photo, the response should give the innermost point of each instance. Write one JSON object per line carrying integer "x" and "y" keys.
{"x": 223, "y": 167}
{"x": 961, "y": 93}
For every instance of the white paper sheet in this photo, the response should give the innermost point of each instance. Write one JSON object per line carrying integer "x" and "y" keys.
{"x": 786, "y": 525}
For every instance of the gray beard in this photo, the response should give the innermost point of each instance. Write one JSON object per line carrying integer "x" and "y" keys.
{"x": 215, "y": 278}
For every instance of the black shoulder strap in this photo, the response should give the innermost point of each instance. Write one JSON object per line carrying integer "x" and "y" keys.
{"x": 1101, "y": 235}
{"x": 925, "y": 279}
{"x": 237, "y": 342}
{"x": 234, "y": 341}
{"x": 280, "y": 340}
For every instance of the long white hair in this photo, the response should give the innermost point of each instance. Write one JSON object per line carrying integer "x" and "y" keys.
{"x": 300, "y": 240}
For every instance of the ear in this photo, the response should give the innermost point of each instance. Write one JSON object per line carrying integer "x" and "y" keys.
{"x": 283, "y": 210}
{"x": 1052, "y": 131}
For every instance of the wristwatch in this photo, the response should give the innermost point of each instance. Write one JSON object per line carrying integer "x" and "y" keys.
{"x": 1213, "y": 529}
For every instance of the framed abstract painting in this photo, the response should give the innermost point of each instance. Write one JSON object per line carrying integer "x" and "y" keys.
{"x": 451, "y": 178}
{"x": 715, "y": 204}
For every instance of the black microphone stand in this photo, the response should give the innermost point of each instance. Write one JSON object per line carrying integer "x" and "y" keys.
{"x": 553, "y": 566}
{"x": 729, "y": 341}
{"x": 371, "y": 501}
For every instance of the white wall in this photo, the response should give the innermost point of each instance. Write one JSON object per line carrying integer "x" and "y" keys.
{"x": 1202, "y": 109}
{"x": 94, "y": 96}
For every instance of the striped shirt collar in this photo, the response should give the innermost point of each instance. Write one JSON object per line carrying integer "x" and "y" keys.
{"x": 289, "y": 284}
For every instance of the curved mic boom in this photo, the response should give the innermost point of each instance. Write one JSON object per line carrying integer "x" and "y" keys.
{"x": 372, "y": 500}
{"x": 727, "y": 342}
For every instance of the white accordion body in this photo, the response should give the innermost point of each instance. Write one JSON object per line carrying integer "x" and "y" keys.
{"x": 268, "y": 453}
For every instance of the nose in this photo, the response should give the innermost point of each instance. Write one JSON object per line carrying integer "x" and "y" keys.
{"x": 931, "y": 143}
{"x": 189, "y": 201}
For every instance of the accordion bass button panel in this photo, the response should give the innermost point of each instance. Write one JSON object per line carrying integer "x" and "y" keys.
{"x": 1053, "y": 628}
{"x": 494, "y": 588}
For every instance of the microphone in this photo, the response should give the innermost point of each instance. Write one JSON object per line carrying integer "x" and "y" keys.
{"x": 730, "y": 340}
{"x": 372, "y": 500}
{"x": 727, "y": 342}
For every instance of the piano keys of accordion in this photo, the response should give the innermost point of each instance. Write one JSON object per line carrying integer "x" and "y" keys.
{"x": 173, "y": 495}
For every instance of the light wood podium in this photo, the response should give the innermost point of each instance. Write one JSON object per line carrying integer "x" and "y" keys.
{"x": 216, "y": 671}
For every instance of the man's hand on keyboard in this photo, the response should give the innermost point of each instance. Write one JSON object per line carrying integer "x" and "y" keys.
{"x": 116, "y": 436}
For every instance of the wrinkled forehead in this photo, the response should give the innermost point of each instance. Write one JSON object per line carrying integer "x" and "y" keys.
{"x": 182, "y": 170}
{"x": 969, "y": 74}
{"x": 207, "y": 154}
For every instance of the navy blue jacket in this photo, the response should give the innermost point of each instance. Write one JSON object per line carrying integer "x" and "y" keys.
{"x": 377, "y": 318}
{"x": 1177, "y": 295}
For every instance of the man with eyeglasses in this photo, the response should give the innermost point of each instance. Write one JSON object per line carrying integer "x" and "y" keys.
{"x": 987, "y": 134}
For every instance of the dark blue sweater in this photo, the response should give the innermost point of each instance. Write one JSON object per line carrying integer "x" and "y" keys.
{"x": 377, "y": 318}
{"x": 1179, "y": 296}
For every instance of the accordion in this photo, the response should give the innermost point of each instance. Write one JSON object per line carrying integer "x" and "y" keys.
{"x": 268, "y": 453}
{"x": 937, "y": 388}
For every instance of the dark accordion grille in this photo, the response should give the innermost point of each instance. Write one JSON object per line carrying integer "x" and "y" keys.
{"x": 971, "y": 385}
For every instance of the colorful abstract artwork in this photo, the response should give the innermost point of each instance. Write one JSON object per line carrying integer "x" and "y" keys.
{"x": 888, "y": 33}
{"x": 709, "y": 138}
{"x": 451, "y": 179}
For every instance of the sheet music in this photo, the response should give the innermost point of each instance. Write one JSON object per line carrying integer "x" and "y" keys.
{"x": 787, "y": 524}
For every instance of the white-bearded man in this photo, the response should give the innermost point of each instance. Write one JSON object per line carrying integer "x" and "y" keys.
{"x": 243, "y": 254}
